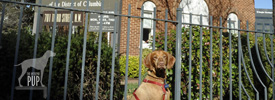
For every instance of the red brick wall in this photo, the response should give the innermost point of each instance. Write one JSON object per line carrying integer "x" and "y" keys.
{"x": 244, "y": 9}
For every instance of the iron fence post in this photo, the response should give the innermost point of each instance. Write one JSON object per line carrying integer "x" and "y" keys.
{"x": 178, "y": 55}
{"x": 154, "y": 29}
{"x": 114, "y": 54}
{"x": 99, "y": 51}
{"x": 35, "y": 44}
{"x": 230, "y": 60}
{"x": 190, "y": 58}
{"x": 17, "y": 46}
{"x": 272, "y": 60}
{"x": 247, "y": 36}
{"x": 221, "y": 60}
{"x": 68, "y": 53}
{"x": 140, "y": 46}
{"x": 211, "y": 58}
{"x": 84, "y": 53}
{"x": 200, "y": 86}
{"x": 127, "y": 52}
{"x": 260, "y": 61}
{"x": 239, "y": 61}
{"x": 52, "y": 49}
{"x": 166, "y": 26}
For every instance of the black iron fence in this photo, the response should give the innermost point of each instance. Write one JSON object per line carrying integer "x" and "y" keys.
{"x": 225, "y": 67}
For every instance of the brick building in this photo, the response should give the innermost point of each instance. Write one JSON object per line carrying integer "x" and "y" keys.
{"x": 243, "y": 10}
{"x": 264, "y": 20}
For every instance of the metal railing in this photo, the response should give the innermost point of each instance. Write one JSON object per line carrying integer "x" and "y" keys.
{"x": 177, "y": 93}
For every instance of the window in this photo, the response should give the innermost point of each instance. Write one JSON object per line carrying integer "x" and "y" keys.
{"x": 233, "y": 23}
{"x": 259, "y": 24}
{"x": 148, "y": 24}
{"x": 267, "y": 27}
{"x": 146, "y": 33}
{"x": 263, "y": 17}
{"x": 196, "y": 8}
{"x": 264, "y": 26}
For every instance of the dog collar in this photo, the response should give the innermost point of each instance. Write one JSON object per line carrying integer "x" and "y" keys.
{"x": 153, "y": 82}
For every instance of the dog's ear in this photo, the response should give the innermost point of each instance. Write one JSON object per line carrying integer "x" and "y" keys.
{"x": 147, "y": 61}
{"x": 171, "y": 61}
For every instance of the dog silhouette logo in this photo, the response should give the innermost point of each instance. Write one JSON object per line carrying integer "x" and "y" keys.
{"x": 40, "y": 64}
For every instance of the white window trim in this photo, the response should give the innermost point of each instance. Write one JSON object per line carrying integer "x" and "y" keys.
{"x": 233, "y": 23}
{"x": 194, "y": 7}
{"x": 148, "y": 11}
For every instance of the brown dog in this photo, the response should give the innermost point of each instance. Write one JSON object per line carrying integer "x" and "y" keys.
{"x": 152, "y": 87}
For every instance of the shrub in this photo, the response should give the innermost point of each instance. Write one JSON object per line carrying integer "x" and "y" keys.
{"x": 266, "y": 65}
{"x": 145, "y": 52}
{"x": 58, "y": 72}
{"x": 133, "y": 66}
{"x": 206, "y": 62}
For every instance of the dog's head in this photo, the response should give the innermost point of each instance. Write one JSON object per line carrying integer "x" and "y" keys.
{"x": 51, "y": 53}
{"x": 158, "y": 61}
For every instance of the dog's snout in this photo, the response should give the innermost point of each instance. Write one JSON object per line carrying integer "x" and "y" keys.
{"x": 161, "y": 63}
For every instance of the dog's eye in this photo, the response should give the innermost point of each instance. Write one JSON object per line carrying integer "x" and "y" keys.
{"x": 155, "y": 57}
{"x": 164, "y": 56}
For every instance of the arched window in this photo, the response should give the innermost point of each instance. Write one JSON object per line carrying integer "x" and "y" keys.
{"x": 148, "y": 24}
{"x": 196, "y": 8}
{"x": 233, "y": 23}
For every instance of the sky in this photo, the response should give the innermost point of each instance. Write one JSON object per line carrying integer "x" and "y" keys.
{"x": 265, "y": 4}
